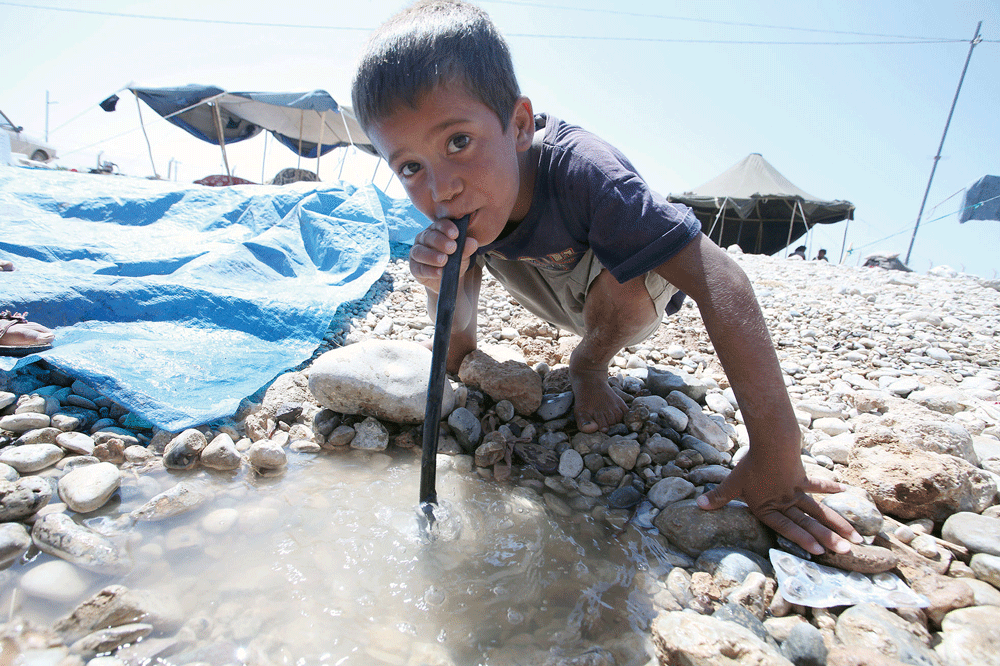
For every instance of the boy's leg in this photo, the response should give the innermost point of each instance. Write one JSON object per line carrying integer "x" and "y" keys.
{"x": 615, "y": 315}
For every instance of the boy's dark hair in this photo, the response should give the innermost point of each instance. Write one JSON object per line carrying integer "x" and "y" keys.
{"x": 430, "y": 43}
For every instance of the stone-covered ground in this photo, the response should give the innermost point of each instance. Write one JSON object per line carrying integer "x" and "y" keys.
{"x": 895, "y": 378}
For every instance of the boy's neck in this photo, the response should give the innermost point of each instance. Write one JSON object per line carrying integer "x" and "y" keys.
{"x": 527, "y": 163}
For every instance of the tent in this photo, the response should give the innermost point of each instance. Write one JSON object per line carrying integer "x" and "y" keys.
{"x": 753, "y": 205}
{"x": 310, "y": 124}
{"x": 981, "y": 200}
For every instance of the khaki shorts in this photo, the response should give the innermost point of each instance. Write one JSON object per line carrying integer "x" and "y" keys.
{"x": 558, "y": 296}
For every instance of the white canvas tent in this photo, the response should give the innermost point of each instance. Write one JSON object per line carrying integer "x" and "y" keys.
{"x": 753, "y": 205}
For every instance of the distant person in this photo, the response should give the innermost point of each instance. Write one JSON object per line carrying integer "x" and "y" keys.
{"x": 800, "y": 252}
{"x": 821, "y": 256}
{"x": 569, "y": 228}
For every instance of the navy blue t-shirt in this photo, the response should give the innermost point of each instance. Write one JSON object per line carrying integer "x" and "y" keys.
{"x": 588, "y": 195}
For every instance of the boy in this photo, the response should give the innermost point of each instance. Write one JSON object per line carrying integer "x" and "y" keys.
{"x": 568, "y": 227}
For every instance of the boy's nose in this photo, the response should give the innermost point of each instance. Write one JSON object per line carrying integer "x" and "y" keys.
{"x": 445, "y": 186}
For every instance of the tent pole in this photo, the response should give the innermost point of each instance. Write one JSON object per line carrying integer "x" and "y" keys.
{"x": 263, "y": 160}
{"x": 378, "y": 163}
{"x": 319, "y": 146}
{"x": 222, "y": 137}
{"x": 791, "y": 223}
{"x": 760, "y": 226}
{"x": 722, "y": 227}
{"x": 716, "y": 220}
{"x": 844, "y": 242}
{"x": 975, "y": 40}
{"x": 806, "y": 222}
{"x": 148, "y": 147}
{"x": 298, "y": 164}
{"x": 343, "y": 158}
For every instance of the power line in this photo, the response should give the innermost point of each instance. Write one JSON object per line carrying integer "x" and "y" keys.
{"x": 184, "y": 19}
{"x": 902, "y": 39}
{"x": 691, "y": 19}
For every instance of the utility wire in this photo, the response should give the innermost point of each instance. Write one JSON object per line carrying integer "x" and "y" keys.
{"x": 904, "y": 40}
{"x": 618, "y": 12}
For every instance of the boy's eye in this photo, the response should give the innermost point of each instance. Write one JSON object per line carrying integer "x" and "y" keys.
{"x": 409, "y": 169}
{"x": 458, "y": 142}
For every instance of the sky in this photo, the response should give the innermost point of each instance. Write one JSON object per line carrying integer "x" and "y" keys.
{"x": 847, "y": 99}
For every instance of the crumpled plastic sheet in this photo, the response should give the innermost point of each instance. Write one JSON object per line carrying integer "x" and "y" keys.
{"x": 817, "y": 586}
{"x": 177, "y": 301}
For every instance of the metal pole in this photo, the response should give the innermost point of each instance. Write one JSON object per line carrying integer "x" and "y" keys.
{"x": 843, "y": 243}
{"x": 46, "y": 116}
{"x": 975, "y": 40}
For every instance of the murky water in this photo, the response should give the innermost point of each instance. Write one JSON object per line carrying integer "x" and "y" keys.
{"x": 329, "y": 563}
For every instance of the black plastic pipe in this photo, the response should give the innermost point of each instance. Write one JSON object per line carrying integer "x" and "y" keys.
{"x": 439, "y": 361}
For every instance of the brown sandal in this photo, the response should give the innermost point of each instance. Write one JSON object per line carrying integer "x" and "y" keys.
{"x": 8, "y": 320}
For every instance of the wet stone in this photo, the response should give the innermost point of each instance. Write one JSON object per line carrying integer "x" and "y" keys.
{"x": 89, "y": 488}
{"x": 221, "y": 454}
{"x": 465, "y": 427}
{"x": 737, "y": 614}
{"x": 624, "y": 498}
{"x": 56, "y": 581}
{"x": 370, "y": 435}
{"x": 14, "y": 542}
{"x": 542, "y": 459}
{"x": 183, "y": 450}
{"x": 266, "y": 454}
{"x": 57, "y": 534}
{"x": 174, "y": 501}
{"x": 22, "y": 498}
{"x": 108, "y": 640}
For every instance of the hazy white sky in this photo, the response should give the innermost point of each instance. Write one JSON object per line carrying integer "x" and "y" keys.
{"x": 827, "y": 92}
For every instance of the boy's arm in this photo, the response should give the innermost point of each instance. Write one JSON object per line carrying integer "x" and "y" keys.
{"x": 771, "y": 478}
{"x": 427, "y": 259}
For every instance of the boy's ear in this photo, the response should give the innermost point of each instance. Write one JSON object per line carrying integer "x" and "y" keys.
{"x": 523, "y": 122}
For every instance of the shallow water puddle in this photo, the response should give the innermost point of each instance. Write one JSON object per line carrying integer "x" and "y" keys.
{"x": 327, "y": 563}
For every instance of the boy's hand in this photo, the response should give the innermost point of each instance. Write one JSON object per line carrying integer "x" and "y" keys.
{"x": 779, "y": 498}
{"x": 430, "y": 252}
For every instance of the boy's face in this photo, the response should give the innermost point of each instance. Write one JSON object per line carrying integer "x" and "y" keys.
{"x": 454, "y": 158}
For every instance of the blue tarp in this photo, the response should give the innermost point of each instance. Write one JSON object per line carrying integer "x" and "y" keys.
{"x": 177, "y": 301}
{"x": 981, "y": 200}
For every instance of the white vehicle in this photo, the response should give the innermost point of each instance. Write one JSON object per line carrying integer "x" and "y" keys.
{"x": 37, "y": 150}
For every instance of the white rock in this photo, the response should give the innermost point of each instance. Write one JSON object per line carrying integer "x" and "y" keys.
{"x": 88, "y": 488}
{"x": 56, "y": 581}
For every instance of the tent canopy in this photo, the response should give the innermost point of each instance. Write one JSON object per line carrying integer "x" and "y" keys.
{"x": 310, "y": 123}
{"x": 753, "y": 205}
{"x": 981, "y": 200}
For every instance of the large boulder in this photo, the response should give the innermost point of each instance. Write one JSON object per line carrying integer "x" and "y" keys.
{"x": 695, "y": 530}
{"x": 386, "y": 379}
{"x": 503, "y": 379}
{"x": 910, "y": 483}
